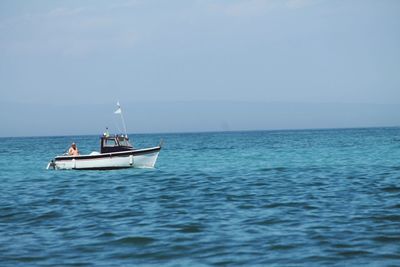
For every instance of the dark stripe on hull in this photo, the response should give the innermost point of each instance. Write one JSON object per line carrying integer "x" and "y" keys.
{"x": 110, "y": 155}
{"x": 101, "y": 168}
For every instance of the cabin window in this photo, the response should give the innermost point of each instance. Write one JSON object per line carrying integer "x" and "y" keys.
{"x": 123, "y": 142}
{"x": 110, "y": 142}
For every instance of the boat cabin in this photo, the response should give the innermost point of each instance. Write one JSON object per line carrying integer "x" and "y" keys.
{"x": 114, "y": 143}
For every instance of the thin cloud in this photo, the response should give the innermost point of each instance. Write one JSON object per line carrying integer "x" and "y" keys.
{"x": 300, "y": 3}
{"x": 66, "y": 31}
{"x": 124, "y": 4}
{"x": 63, "y": 11}
{"x": 255, "y": 7}
{"x": 241, "y": 8}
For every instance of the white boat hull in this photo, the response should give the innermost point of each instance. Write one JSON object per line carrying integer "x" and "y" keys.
{"x": 143, "y": 158}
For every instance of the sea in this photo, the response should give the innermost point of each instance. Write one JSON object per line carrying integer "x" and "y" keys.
{"x": 261, "y": 198}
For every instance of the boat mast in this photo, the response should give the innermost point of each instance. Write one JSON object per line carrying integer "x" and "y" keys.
{"x": 119, "y": 111}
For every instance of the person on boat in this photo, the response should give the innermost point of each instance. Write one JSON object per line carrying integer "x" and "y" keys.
{"x": 73, "y": 150}
{"x": 106, "y": 133}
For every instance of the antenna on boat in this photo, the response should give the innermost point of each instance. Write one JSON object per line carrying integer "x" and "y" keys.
{"x": 119, "y": 111}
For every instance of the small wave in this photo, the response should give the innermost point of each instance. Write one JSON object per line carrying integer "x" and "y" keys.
{"x": 283, "y": 247}
{"x": 247, "y": 206}
{"x": 392, "y": 218}
{"x": 272, "y": 205}
{"x": 318, "y": 184}
{"x": 135, "y": 240}
{"x": 191, "y": 228}
{"x": 45, "y": 217}
{"x": 279, "y": 169}
{"x": 387, "y": 239}
{"x": 342, "y": 245}
{"x": 391, "y": 189}
{"x": 62, "y": 201}
{"x": 350, "y": 253}
{"x": 120, "y": 188}
{"x": 105, "y": 235}
{"x": 120, "y": 214}
{"x": 212, "y": 148}
{"x": 269, "y": 221}
{"x": 30, "y": 259}
{"x": 289, "y": 204}
{"x": 188, "y": 228}
{"x": 390, "y": 256}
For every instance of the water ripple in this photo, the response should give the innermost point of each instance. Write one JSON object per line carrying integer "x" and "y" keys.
{"x": 306, "y": 198}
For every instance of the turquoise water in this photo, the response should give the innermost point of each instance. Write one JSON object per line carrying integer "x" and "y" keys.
{"x": 308, "y": 198}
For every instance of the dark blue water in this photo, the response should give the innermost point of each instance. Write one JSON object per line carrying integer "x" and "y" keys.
{"x": 309, "y": 198}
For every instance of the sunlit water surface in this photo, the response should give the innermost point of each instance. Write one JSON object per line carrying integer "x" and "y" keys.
{"x": 320, "y": 197}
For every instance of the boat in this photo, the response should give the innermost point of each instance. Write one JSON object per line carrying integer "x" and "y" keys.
{"x": 116, "y": 152}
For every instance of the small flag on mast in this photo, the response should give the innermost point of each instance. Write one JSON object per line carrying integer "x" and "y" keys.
{"x": 118, "y": 111}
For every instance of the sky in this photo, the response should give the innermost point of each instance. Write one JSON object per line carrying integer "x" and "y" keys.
{"x": 198, "y": 65}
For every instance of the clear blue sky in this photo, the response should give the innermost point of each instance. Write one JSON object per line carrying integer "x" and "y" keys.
{"x": 198, "y": 65}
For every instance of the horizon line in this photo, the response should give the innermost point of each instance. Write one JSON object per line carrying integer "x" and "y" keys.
{"x": 217, "y": 131}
